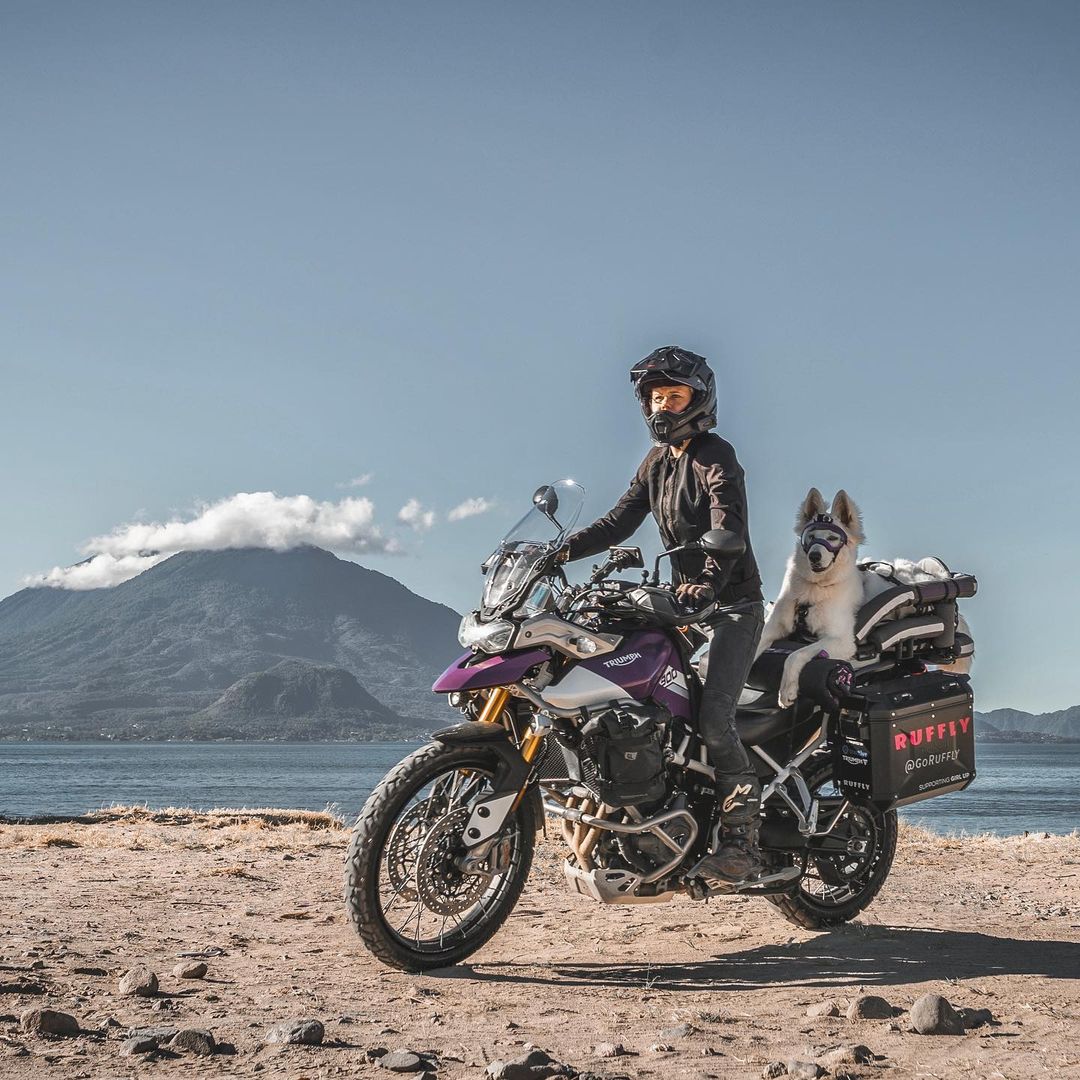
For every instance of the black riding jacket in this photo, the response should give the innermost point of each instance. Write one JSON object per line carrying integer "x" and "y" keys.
{"x": 701, "y": 489}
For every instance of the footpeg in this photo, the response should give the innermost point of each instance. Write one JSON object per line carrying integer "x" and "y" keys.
{"x": 766, "y": 883}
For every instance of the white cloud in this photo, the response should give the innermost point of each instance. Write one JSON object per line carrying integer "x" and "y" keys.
{"x": 357, "y": 481}
{"x": 98, "y": 572}
{"x": 414, "y": 515}
{"x": 470, "y": 508}
{"x": 248, "y": 519}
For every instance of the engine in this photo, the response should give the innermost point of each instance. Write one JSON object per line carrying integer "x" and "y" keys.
{"x": 629, "y": 828}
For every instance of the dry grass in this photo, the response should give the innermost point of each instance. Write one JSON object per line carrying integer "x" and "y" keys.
{"x": 57, "y": 840}
{"x": 916, "y": 834}
{"x": 138, "y": 828}
{"x": 218, "y": 818}
{"x": 233, "y": 872}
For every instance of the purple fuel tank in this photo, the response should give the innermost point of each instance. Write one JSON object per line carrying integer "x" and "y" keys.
{"x": 646, "y": 665}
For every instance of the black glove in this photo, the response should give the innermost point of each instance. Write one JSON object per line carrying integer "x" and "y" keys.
{"x": 694, "y": 596}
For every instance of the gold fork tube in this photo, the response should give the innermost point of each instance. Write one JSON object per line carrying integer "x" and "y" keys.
{"x": 494, "y": 706}
{"x": 530, "y": 746}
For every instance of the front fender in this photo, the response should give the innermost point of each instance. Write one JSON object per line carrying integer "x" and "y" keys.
{"x": 513, "y": 769}
{"x": 510, "y": 774}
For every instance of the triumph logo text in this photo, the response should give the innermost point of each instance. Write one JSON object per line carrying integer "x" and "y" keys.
{"x": 622, "y": 661}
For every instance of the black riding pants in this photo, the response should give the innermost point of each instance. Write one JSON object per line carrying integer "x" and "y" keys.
{"x": 731, "y": 654}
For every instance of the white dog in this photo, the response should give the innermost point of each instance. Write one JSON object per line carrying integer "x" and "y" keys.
{"x": 823, "y": 587}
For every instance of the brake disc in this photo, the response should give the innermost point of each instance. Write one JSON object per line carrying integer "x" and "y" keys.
{"x": 440, "y": 882}
{"x": 403, "y": 849}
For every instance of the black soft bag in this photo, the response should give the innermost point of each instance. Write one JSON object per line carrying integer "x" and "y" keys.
{"x": 627, "y": 747}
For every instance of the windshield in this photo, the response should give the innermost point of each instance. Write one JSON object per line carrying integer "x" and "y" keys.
{"x": 556, "y": 508}
{"x": 514, "y": 565}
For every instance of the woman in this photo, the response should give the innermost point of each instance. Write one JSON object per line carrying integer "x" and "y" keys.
{"x": 692, "y": 482}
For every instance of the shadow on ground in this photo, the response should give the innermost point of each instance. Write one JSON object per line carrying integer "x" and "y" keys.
{"x": 856, "y": 955}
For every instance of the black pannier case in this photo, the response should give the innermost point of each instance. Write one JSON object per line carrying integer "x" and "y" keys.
{"x": 907, "y": 739}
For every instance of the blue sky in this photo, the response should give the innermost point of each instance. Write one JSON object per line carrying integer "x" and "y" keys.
{"x": 273, "y": 247}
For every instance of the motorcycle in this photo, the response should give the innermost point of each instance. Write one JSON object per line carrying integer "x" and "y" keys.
{"x": 578, "y": 705}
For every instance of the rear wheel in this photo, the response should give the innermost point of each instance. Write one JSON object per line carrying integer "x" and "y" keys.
{"x": 846, "y": 869}
{"x": 411, "y": 898}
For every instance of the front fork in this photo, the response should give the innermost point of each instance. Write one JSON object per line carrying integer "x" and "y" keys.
{"x": 490, "y": 814}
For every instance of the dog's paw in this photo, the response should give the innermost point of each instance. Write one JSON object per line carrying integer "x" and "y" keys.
{"x": 789, "y": 691}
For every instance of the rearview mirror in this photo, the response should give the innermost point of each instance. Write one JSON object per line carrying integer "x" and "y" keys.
{"x": 546, "y": 500}
{"x": 723, "y": 544}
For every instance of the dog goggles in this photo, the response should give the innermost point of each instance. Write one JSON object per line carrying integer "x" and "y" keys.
{"x": 824, "y": 532}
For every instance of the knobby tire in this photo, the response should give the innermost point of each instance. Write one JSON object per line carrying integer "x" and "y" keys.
{"x": 371, "y": 832}
{"x": 799, "y": 908}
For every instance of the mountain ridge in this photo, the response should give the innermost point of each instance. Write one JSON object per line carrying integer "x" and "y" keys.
{"x": 1061, "y": 722}
{"x": 142, "y": 659}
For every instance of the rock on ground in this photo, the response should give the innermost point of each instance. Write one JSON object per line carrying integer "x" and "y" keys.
{"x": 804, "y": 1070}
{"x": 934, "y": 1015}
{"x": 402, "y": 1061}
{"x": 608, "y": 1050}
{"x": 190, "y": 969}
{"x": 298, "y": 1032}
{"x": 135, "y": 1045}
{"x": 823, "y": 1008}
{"x": 849, "y": 1054}
{"x": 870, "y": 1007}
{"x": 158, "y": 1034}
{"x": 139, "y": 981}
{"x": 49, "y": 1022}
{"x": 536, "y": 1065}
{"x": 194, "y": 1041}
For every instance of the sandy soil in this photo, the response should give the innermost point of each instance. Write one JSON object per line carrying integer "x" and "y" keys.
{"x": 988, "y": 923}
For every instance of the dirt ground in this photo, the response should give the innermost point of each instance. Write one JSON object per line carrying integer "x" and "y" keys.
{"x": 990, "y": 924}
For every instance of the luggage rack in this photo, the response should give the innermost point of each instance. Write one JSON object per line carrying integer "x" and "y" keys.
{"x": 929, "y": 633}
{"x": 883, "y": 642}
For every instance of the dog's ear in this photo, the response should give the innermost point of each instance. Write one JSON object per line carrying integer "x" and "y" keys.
{"x": 847, "y": 514}
{"x": 812, "y": 505}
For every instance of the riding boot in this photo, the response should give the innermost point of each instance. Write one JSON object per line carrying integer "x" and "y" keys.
{"x": 734, "y": 856}
{"x": 737, "y": 857}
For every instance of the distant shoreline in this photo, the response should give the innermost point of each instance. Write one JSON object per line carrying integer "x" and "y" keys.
{"x": 73, "y": 740}
{"x": 1036, "y": 737}
{"x": 333, "y": 821}
{"x": 1021, "y": 737}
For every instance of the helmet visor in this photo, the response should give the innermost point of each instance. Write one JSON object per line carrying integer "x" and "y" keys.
{"x": 674, "y": 367}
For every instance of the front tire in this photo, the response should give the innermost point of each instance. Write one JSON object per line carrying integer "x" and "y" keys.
{"x": 411, "y": 906}
{"x": 839, "y": 885}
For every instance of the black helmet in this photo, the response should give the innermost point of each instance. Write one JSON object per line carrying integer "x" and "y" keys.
{"x": 674, "y": 365}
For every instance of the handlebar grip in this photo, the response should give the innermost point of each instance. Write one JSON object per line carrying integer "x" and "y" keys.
{"x": 696, "y": 615}
{"x": 601, "y": 572}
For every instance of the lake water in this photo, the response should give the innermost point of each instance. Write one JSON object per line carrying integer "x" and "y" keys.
{"x": 1018, "y": 787}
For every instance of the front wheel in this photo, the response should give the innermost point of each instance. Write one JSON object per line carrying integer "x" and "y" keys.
{"x": 845, "y": 870}
{"x": 412, "y": 898}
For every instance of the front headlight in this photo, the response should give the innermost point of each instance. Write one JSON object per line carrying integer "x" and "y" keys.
{"x": 491, "y": 636}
